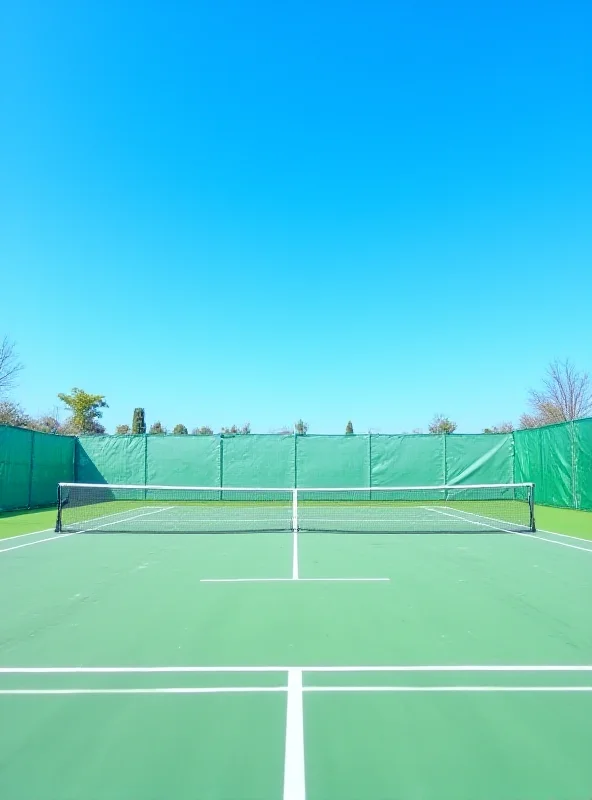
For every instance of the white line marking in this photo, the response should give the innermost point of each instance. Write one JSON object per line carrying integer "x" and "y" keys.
{"x": 447, "y": 689}
{"x": 57, "y": 537}
{"x": 294, "y": 775}
{"x": 474, "y": 522}
{"x": 290, "y": 580}
{"x": 294, "y": 780}
{"x": 566, "y": 535}
{"x": 532, "y": 536}
{"x": 32, "y": 533}
{"x": 295, "y": 555}
{"x": 74, "y": 533}
{"x": 127, "y": 519}
{"x": 121, "y": 514}
{"x": 304, "y": 669}
{"x": 165, "y": 690}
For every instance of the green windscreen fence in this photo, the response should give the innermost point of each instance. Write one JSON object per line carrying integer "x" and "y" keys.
{"x": 286, "y": 461}
{"x": 583, "y": 463}
{"x": 557, "y": 458}
{"x": 31, "y": 466}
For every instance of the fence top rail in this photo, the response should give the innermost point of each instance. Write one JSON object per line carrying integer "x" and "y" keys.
{"x": 286, "y": 489}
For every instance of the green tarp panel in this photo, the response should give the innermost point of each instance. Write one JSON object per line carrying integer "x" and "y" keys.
{"x": 400, "y": 460}
{"x": 258, "y": 460}
{"x": 332, "y": 461}
{"x": 111, "y": 459}
{"x": 183, "y": 460}
{"x": 53, "y": 462}
{"x": 31, "y": 466}
{"x": 15, "y": 467}
{"x": 583, "y": 463}
{"x": 544, "y": 456}
{"x": 479, "y": 458}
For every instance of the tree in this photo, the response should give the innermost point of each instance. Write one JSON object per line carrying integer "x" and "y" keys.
{"x": 10, "y": 366}
{"x": 156, "y": 429}
{"x": 13, "y": 414}
{"x": 139, "y": 421}
{"x": 301, "y": 427}
{"x": 122, "y": 430}
{"x": 441, "y": 424}
{"x": 205, "y": 430}
{"x": 503, "y": 427}
{"x": 234, "y": 430}
{"x": 180, "y": 430}
{"x": 46, "y": 423}
{"x": 86, "y": 410}
{"x": 349, "y": 428}
{"x": 566, "y": 395}
{"x": 417, "y": 430}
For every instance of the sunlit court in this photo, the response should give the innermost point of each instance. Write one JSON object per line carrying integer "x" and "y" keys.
{"x": 295, "y": 643}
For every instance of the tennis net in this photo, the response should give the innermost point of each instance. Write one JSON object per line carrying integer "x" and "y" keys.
{"x": 195, "y": 509}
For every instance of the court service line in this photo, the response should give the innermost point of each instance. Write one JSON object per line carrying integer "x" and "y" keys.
{"x": 516, "y": 533}
{"x": 293, "y": 580}
{"x": 294, "y": 772}
{"x": 302, "y": 669}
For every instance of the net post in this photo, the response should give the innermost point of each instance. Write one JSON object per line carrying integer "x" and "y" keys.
{"x": 295, "y": 510}
{"x": 531, "y": 505}
{"x": 58, "y": 527}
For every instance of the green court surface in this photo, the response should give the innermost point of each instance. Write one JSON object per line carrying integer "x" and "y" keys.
{"x": 288, "y": 666}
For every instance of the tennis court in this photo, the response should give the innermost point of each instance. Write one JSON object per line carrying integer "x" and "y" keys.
{"x": 445, "y": 654}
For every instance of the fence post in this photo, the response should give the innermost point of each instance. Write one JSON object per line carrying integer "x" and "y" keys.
{"x": 221, "y": 456}
{"x": 31, "y": 467}
{"x": 574, "y": 465}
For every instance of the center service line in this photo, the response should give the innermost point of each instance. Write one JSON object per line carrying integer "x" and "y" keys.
{"x": 294, "y": 774}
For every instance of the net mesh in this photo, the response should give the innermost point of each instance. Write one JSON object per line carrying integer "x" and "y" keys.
{"x": 167, "y": 509}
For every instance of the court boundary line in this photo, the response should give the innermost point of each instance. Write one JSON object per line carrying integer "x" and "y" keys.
{"x": 59, "y": 536}
{"x": 293, "y": 768}
{"x": 110, "y": 670}
{"x": 31, "y": 533}
{"x": 531, "y": 535}
{"x": 566, "y": 535}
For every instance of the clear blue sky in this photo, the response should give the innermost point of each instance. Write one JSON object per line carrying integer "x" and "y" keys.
{"x": 229, "y": 211}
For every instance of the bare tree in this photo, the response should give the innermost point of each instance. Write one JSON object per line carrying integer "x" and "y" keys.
{"x": 566, "y": 395}
{"x": 10, "y": 366}
{"x": 13, "y": 414}
{"x": 503, "y": 427}
{"x": 301, "y": 427}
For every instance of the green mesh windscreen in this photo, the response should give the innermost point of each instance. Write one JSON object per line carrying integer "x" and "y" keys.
{"x": 31, "y": 466}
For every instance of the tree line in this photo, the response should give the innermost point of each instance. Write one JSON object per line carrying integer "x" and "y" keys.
{"x": 565, "y": 394}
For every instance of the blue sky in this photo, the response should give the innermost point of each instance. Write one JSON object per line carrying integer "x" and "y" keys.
{"x": 228, "y": 211}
